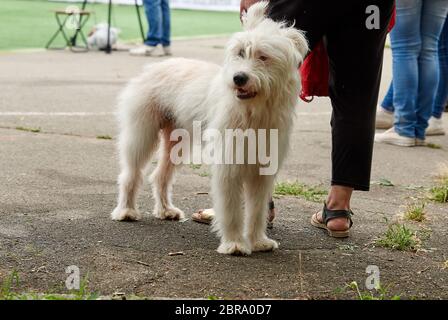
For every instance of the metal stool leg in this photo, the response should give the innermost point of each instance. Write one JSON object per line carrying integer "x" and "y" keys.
{"x": 82, "y": 23}
{"x": 108, "y": 48}
{"x": 73, "y": 39}
{"x": 60, "y": 30}
{"x": 140, "y": 21}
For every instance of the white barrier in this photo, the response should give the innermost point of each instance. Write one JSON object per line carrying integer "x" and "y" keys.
{"x": 218, "y": 5}
{"x": 213, "y": 5}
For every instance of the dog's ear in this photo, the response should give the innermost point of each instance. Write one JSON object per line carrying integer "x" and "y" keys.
{"x": 254, "y": 15}
{"x": 298, "y": 39}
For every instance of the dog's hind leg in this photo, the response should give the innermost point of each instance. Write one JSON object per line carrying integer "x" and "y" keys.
{"x": 257, "y": 192}
{"x": 229, "y": 216}
{"x": 162, "y": 180}
{"x": 136, "y": 144}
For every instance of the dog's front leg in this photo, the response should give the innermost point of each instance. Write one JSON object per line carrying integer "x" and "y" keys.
{"x": 229, "y": 216}
{"x": 257, "y": 192}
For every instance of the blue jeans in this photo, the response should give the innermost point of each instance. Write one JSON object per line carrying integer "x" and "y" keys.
{"x": 415, "y": 40}
{"x": 442, "y": 90}
{"x": 158, "y": 15}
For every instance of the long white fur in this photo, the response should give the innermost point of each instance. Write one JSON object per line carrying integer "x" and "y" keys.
{"x": 174, "y": 93}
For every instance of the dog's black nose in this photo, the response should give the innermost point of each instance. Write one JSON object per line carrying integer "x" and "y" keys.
{"x": 240, "y": 79}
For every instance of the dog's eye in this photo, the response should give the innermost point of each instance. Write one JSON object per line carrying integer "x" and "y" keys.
{"x": 241, "y": 53}
{"x": 263, "y": 58}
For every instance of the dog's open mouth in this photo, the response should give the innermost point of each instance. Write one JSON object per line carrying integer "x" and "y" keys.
{"x": 244, "y": 94}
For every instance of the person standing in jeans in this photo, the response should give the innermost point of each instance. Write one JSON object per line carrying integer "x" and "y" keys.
{"x": 442, "y": 91}
{"x": 159, "y": 22}
{"x": 385, "y": 115}
{"x": 416, "y": 71}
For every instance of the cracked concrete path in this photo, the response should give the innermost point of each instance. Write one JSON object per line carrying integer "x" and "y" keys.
{"x": 58, "y": 187}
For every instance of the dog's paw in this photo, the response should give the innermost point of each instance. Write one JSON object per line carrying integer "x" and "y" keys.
{"x": 234, "y": 248}
{"x": 264, "y": 244}
{"x": 170, "y": 214}
{"x": 120, "y": 214}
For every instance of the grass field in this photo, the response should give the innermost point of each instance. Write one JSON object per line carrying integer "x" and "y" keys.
{"x": 30, "y": 23}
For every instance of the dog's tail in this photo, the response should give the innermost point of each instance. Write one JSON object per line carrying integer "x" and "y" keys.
{"x": 254, "y": 15}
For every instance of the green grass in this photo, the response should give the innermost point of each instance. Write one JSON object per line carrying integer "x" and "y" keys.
{"x": 383, "y": 182}
{"x": 34, "y": 130}
{"x": 415, "y": 212}
{"x": 378, "y": 294}
{"x": 10, "y": 285}
{"x": 310, "y": 193}
{"x": 30, "y": 23}
{"x": 399, "y": 237}
{"x": 204, "y": 174}
{"x": 439, "y": 192}
{"x": 197, "y": 167}
{"x": 104, "y": 137}
{"x": 6, "y": 291}
{"x": 433, "y": 145}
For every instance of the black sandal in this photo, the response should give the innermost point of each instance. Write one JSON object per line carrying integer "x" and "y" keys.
{"x": 327, "y": 215}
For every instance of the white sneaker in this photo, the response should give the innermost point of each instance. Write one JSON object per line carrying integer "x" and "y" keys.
{"x": 384, "y": 118}
{"x": 420, "y": 142}
{"x": 392, "y": 137}
{"x": 435, "y": 127}
{"x": 143, "y": 51}
{"x": 167, "y": 51}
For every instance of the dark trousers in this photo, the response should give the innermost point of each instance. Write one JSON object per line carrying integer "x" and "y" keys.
{"x": 355, "y": 59}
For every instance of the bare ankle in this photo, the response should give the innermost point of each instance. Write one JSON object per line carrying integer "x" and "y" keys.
{"x": 339, "y": 198}
{"x": 335, "y": 204}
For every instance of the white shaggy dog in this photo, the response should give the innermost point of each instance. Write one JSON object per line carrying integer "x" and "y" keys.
{"x": 257, "y": 88}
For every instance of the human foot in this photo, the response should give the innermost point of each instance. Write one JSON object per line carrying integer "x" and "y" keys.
{"x": 336, "y": 222}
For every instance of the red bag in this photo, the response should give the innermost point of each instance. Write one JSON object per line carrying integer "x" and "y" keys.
{"x": 315, "y": 73}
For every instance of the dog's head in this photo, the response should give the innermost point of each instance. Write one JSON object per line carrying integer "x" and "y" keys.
{"x": 260, "y": 59}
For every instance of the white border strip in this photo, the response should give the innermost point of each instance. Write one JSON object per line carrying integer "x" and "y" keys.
{"x": 101, "y": 114}
{"x": 207, "y": 5}
{"x": 57, "y": 114}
